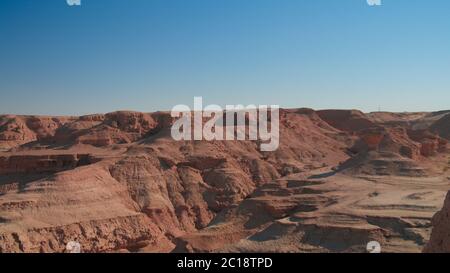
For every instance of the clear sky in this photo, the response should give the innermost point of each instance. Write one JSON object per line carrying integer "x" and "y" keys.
{"x": 149, "y": 55}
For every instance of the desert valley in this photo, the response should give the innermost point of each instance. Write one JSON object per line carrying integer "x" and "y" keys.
{"x": 118, "y": 182}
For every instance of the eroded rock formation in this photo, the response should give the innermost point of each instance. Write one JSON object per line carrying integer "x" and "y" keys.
{"x": 119, "y": 182}
{"x": 440, "y": 237}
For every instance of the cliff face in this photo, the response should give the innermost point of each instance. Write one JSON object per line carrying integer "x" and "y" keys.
{"x": 20, "y": 164}
{"x": 431, "y": 143}
{"x": 440, "y": 236}
{"x": 441, "y": 127}
{"x": 127, "y": 232}
{"x": 119, "y": 182}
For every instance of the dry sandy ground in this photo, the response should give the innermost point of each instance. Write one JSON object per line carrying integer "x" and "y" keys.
{"x": 336, "y": 213}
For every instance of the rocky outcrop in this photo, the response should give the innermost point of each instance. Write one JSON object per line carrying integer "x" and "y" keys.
{"x": 390, "y": 132}
{"x": 382, "y": 164}
{"x": 14, "y": 128}
{"x": 442, "y": 127}
{"x": 29, "y": 164}
{"x": 116, "y": 128}
{"x": 346, "y": 120}
{"x": 23, "y": 129}
{"x": 397, "y": 141}
{"x": 97, "y": 130}
{"x": 431, "y": 144}
{"x": 440, "y": 236}
{"x": 121, "y": 233}
{"x": 394, "y": 140}
{"x": 131, "y": 122}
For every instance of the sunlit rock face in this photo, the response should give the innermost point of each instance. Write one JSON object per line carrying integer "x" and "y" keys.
{"x": 119, "y": 182}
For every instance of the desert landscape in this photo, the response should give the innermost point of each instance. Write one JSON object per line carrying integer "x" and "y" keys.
{"x": 118, "y": 182}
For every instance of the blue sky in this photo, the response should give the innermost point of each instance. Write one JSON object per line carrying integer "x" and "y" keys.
{"x": 149, "y": 55}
